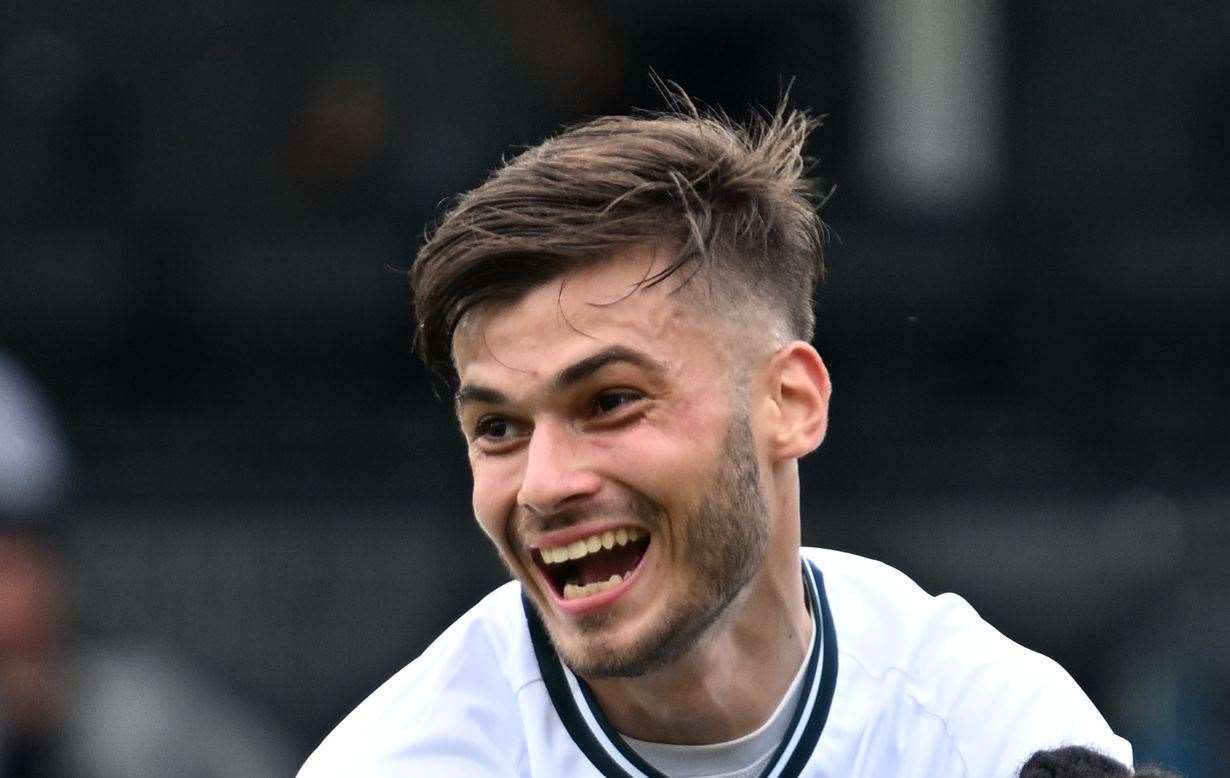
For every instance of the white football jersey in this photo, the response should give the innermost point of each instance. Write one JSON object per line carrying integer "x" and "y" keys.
{"x": 897, "y": 683}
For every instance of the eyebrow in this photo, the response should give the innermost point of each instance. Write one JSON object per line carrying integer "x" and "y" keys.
{"x": 568, "y": 377}
{"x": 475, "y": 393}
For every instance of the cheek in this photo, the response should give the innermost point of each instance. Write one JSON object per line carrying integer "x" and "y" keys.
{"x": 673, "y": 460}
{"x": 494, "y": 497}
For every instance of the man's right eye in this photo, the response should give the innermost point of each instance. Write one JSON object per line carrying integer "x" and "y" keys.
{"x": 492, "y": 428}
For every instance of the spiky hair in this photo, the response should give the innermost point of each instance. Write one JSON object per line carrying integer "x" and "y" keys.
{"x": 727, "y": 197}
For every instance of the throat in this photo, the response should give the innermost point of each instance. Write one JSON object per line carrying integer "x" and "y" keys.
{"x": 729, "y": 686}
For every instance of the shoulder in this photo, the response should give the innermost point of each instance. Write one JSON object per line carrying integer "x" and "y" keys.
{"x": 932, "y": 662}
{"x": 886, "y": 620}
{"x": 453, "y": 708}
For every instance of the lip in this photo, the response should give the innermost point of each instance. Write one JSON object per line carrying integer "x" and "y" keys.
{"x": 583, "y": 605}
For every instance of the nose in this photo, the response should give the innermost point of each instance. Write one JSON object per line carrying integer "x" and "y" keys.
{"x": 555, "y": 474}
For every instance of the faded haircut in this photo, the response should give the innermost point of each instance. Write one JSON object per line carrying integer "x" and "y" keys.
{"x": 729, "y": 199}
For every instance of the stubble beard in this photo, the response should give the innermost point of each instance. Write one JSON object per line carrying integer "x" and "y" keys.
{"x": 726, "y": 537}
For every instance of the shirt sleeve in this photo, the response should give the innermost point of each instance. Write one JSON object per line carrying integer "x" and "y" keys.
{"x": 1010, "y": 708}
{"x": 1000, "y": 702}
{"x": 1053, "y": 714}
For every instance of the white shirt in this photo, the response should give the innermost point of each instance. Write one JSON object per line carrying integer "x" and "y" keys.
{"x": 744, "y": 757}
{"x": 898, "y": 683}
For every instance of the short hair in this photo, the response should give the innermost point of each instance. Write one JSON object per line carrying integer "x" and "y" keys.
{"x": 1081, "y": 762}
{"x": 724, "y": 196}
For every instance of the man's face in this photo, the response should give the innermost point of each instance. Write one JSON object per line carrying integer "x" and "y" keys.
{"x": 614, "y": 463}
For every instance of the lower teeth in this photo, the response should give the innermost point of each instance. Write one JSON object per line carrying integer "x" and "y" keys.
{"x": 574, "y": 591}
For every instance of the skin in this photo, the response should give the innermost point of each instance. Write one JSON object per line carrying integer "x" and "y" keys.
{"x": 587, "y": 405}
{"x": 31, "y": 615}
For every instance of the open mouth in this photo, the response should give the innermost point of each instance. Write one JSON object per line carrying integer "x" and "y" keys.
{"x": 593, "y": 564}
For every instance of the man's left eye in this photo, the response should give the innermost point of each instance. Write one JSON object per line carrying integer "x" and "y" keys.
{"x": 610, "y": 401}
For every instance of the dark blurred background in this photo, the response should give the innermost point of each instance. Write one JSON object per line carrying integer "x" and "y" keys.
{"x": 207, "y": 208}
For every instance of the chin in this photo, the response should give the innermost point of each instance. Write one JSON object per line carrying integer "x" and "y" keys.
{"x": 590, "y": 658}
{"x": 601, "y": 650}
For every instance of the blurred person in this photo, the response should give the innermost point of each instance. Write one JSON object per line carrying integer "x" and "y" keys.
{"x": 624, "y": 314}
{"x": 1079, "y": 762}
{"x": 77, "y": 708}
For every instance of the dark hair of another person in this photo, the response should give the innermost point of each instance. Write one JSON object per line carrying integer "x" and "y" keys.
{"x": 1080, "y": 762}
{"x": 730, "y": 198}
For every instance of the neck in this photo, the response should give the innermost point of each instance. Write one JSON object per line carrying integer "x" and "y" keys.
{"x": 732, "y": 680}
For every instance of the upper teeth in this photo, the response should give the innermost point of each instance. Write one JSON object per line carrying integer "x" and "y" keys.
{"x": 579, "y": 548}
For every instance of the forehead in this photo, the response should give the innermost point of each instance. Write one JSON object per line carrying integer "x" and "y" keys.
{"x": 580, "y": 313}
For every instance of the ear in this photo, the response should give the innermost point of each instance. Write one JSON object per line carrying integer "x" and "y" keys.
{"x": 798, "y": 395}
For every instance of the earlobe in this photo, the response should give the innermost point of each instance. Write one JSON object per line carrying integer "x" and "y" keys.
{"x": 801, "y": 391}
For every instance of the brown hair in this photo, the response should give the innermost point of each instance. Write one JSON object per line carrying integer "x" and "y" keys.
{"x": 730, "y": 197}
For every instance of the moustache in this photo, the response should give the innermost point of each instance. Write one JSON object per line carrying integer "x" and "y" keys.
{"x": 635, "y": 506}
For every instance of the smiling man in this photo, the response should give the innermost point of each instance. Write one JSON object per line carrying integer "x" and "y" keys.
{"x": 624, "y": 313}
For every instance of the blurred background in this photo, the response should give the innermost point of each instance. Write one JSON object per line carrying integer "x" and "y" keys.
{"x": 234, "y": 506}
